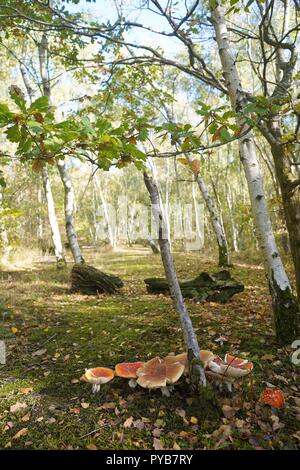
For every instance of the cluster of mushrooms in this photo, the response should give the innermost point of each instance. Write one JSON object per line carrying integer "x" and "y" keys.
{"x": 164, "y": 373}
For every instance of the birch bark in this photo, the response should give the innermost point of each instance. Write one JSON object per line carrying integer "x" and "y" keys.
{"x": 285, "y": 308}
{"x": 191, "y": 342}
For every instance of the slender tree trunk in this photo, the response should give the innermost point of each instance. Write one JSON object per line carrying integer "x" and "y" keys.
{"x": 40, "y": 231}
{"x": 224, "y": 258}
{"x": 69, "y": 203}
{"x": 110, "y": 231}
{"x": 197, "y": 223}
{"x": 69, "y": 198}
{"x": 285, "y": 307}
{"x": 235, "y": 241}
{"x": 6, "y": 248}
{"x": 55, "y": 233}
{"x": 191, "y": 342}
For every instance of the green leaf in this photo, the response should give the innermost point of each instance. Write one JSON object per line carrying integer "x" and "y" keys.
{"x": 35, "y": 127}
{"x": 13, "y": 133}
{"x": 41, "y": 104}
{"x": 225, "y": 135}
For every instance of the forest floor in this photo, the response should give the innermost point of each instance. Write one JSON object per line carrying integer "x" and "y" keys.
{"x": 52, "y": 335}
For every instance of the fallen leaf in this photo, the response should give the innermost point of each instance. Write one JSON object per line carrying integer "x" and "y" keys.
{"x": 39, "y": 352}
{"x": 194, "y": 420}
{"x": 128, "y": 422}
{"x": 25, "y": 391}
{"x": 17, "y": 407}
{"x": 139, "y": 424}
{"x": 26, "y": 417}
{"x": 157, "y": 444}
{"x": 20, "y": 433}
{"x": 14, "y": 330}
{"x": 92, "y": 447}
{"x": 267, "y": 357}
{"x": 228, "y": 411}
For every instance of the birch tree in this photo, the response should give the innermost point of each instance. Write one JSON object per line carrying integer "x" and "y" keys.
{"x": 285, "y": 307}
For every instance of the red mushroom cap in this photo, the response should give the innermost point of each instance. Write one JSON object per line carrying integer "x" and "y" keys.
{"x": 128, "y": 370}
{"x": 235, "y": 361}
{"x": 98, "y": 375}
{"x": 273, "y": 397}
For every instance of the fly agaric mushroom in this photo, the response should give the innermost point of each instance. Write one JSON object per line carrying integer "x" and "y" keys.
{"x": 97, "y": 377}
{"x": 229, "y": 370}
{"x": 127, "y": 370}
{"x": 221, "y": 340}
{"x": 273, "y": 397}
{"x": 182, "y": 358}
{"x": 206, "y": 356}
{"x": 158, "y": 373}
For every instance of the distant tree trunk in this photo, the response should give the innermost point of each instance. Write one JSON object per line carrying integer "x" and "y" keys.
{"x": 285, "y": 307}
{"x": 224, "y": 258}
{"x": 39, "y": 219}
{"x": 235, "y": 241}
{"x": 110, "y": 231}
{"x": 6, "y": 248}
{"x": 197, "y": 223}
{"x": 69, "y": 211}
{"x": 55, "y": 233}
{"x": 191, "y": 342}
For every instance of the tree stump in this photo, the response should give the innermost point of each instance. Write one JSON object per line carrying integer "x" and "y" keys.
{"x": 89, "y": 280}
{"x": 218, "y": 287}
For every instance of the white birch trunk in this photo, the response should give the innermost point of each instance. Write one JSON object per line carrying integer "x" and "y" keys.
{"x": 224, "y": 259}
{"x": 110, "y": 231}
{"x": 69, "y": 202}
{"x": 6, "y": 248}
{"x": 39, "y": 218}
{"x": 285, "y": 308}
{"x": 190, "y": 338}
{"x": 55, "y": 233}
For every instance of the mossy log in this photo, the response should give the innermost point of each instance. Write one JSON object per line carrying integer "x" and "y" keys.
{"x": 218, "y": 287}
{"x": 89, "y": 280}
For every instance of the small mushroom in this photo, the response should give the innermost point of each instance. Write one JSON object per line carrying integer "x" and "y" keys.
{"x": 273, "y": 397}
{"x": 127, "y": 370}
{"x": 158, "y": 373}
{"x": 231, "y": 368}
{"x": 221, "y": 340}
{"x": 206, "y": 356}
{"x": 97, "y": 377}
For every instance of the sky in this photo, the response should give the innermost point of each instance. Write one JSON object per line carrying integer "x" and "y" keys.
{"x": 105, "y": 10}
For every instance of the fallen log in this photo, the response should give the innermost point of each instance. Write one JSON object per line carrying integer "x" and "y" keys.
{"x": 218, "y": 287}
{"x": 89, "y": 280}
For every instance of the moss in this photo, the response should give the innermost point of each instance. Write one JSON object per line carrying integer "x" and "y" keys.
{"x": 79, "y": 331}
{"x": 286, "y": 314}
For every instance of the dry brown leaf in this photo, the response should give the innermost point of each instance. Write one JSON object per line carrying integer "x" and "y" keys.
{"x": 157, "y": 444}
{"x": 17, "y": 407}
{"x": 128, "y": 422}
{"x": 25, "y": 391}
{"x": 20, "y": 433}
{"x": 92, "y": 447}
{"x": 228, "y": 411}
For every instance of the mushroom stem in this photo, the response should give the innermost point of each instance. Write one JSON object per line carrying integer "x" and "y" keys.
{"x": 165, "y": 391}
{"x": 132, "y": 383}
{"x": 96, "y": 388}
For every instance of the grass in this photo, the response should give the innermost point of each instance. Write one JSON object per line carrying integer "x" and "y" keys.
{"x": 52, "y": 336}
